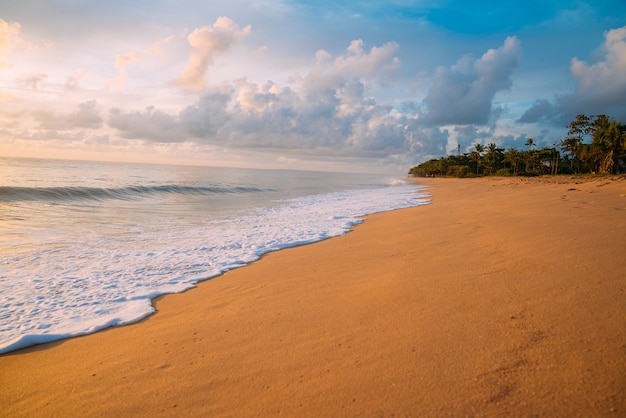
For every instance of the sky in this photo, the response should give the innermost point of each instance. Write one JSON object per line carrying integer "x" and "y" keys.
{"x": 361, "y": 86}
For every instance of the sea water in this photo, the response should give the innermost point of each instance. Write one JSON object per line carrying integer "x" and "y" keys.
{"x": 87, "y": 245}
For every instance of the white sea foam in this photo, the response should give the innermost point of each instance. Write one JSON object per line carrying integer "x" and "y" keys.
{"x": 59, "y": 285}
{"x": 397, "y": 181}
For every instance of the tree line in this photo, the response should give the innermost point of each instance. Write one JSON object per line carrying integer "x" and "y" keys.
{"x": 594, "y": 144}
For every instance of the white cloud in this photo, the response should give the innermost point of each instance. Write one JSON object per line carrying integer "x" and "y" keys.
{"x": 11, "y": 41}
{"x": 326, "y": 112}
{"x": 463, "y": 94}
{"x": 359, "y": 63}
{"x": 265, "y": 97}
{"x": 601, "y": 86}
{"x": 87, "y": 116}
{"x": 151, "y": 125}
{"x": 379, "y": 63}
{"x": 121, "y": 61}
{"x": 206, "y": 43}
{"x": 157, "y": 47}
{"x": 9, "y": 32}
{"x": 33, "y": 80}
{"x": 208, "y": 118}
{"x": 605, "y": 79}
{"x": 73, "y": 82}
{"x": 261, "y": 52}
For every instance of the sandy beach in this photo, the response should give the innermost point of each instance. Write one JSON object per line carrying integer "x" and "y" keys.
{"x": 504, "y": 297}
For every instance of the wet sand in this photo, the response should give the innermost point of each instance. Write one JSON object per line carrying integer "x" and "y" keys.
{"x": 504, "y": 297}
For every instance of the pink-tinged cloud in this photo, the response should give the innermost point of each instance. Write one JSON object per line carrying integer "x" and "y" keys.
{"x": 73, "y": 82}
{"x": 121, "y": 62}
{"x": 206, "y": 43}
{"x": 9, "y": 32}
{"x": 379, "y": 63}
{"x": 33, "y": 80}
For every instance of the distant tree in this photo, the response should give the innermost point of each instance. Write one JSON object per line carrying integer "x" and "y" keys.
{"x": 571, "y": 147}
{"x": 610, "y": 140}
{"x": 493, "y": 157}
{"x": 531, "y": 160}
{"x": 513, "y": 159}
{"x": 605, "y": 152}
{"x": 548, "y": 160}
{"x": 590, "y": 157}
{"x": 476, "y": 155}
{"x": 578, "y": 129}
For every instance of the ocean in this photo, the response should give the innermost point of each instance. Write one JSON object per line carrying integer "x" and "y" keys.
{"x": 87, "y": 245}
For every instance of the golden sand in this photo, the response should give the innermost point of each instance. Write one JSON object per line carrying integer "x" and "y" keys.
{"x": 504, "y": 297}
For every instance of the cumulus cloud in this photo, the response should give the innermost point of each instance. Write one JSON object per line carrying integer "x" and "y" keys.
{"x": 157, "y": 47}
{"x": 209, "y": 116}
{"x": 357, "y": 62}
{"x": 601, "y": 86}
{"x": 604, "y": 80}
{"x": 543, "y": 110}
{"x": 151, "y": 125}
{"x": 197, "y": 122}
{"x": 325, "y": 112}
{"x": 427, "y": 142}
{"x": 206, "y": 43}
{"x": 9, "y": 32}
{"x": 33, "y": 80}
{"x": 11, "y": 40}
{"x": 463, "y": 94}
{"x": 73, "y": 82}
{"x": 260, "y": 98}
{"x": 121, "y": 61}
{"x": 87, "y": 116}
{"x": 378, "y": 63}
{"x": 326, "y": 109}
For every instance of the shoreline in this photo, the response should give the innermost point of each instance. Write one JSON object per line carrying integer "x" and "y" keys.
{"x": 241, "y": 239}
{"x": 502, "y": 296}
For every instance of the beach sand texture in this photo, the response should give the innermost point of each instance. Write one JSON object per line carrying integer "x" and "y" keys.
{"x": 504, "y": 297}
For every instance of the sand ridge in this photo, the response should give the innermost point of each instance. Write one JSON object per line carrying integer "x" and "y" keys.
{"x": 505, "y": 296}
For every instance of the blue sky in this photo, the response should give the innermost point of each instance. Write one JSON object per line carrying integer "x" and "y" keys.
{"x": 352, "y": 86}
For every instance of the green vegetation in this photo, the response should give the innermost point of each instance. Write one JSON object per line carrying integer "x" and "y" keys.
{"x": 594, "y": 144}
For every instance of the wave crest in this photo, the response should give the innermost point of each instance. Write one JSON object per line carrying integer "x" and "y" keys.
{"x": 15, "y": 194}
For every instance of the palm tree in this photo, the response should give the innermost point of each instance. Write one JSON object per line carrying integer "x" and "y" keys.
{"x": 571, "y": 146}
{"x": 591, "y": 157}
{"x": 494, "y": 156}
{"x": 548, "y": 158}
{"x": 477, "y": 155}
{"x": 580, "y": 127}
{"x": 512, "y": 157}
{"x": 530, "y": 143}
{"x": 531, "y": 160}
{"x": 609, "y": 137}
